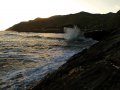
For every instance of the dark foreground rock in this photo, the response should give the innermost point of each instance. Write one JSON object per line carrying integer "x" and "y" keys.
{"x": 97, "y": 35}
{"x": 96, "y": 68}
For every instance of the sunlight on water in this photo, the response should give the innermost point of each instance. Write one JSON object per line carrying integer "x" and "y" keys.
{"x": 27, "y": 57}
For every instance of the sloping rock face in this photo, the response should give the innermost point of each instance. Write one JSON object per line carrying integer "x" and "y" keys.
{"x": 96, "y": 68}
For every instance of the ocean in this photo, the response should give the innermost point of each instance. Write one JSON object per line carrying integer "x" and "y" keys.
{"x": 25, "y": 58}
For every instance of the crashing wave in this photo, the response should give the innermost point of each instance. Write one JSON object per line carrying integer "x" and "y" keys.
{"x": 72, "y": 33}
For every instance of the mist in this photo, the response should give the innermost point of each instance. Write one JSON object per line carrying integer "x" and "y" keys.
{"x": 72, "y": 33}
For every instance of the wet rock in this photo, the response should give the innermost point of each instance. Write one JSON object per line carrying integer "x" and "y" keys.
{"x": 97, "y": 35}
{"x": 96, "y": 68}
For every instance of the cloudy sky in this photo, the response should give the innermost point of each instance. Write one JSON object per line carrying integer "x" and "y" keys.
{"x": 15, "y": 11}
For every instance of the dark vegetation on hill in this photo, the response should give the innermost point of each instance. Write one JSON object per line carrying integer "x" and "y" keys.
{"x": 96, "y": 68}
{"x": 84, "y": 20}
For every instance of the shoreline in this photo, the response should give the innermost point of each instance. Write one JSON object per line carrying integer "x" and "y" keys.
{"x": 96, "y": 68}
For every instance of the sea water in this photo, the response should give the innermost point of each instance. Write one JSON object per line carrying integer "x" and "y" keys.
{"x": 27, "y": 57}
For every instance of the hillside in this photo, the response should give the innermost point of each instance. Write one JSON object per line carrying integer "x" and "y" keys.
{"x": 96, "y": 68}
{"x": 84, "y": 20}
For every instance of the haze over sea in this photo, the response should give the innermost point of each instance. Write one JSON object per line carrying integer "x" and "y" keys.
{"x": 26, "y": 57}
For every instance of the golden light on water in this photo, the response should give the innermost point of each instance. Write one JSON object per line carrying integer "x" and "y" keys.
{"x": 15, "y": 11}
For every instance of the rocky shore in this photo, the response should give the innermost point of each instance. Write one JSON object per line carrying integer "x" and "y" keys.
{"x": 96, "y": 68}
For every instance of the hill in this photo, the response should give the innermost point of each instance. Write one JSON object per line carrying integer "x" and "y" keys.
{"x": 84, "y": 20}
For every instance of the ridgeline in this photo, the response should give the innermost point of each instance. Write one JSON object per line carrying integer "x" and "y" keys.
{"x": 55, "y": 24}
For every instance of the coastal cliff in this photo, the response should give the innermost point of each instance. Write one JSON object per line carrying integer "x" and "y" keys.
{"x": 96, "y": 68}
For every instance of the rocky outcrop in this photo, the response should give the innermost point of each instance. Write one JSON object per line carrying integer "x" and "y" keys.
{"x": 96, "y": 68}
{"x": 97, "y": 35}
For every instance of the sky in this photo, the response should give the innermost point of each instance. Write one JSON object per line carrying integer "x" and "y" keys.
{"x": 15, "y": 11}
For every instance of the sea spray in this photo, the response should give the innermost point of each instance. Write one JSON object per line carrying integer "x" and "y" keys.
{"x": 72, "y": 33}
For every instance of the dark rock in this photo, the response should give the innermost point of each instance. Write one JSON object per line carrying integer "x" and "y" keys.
{"x": 97, "y": 35}
{"x": 96, "y": 68}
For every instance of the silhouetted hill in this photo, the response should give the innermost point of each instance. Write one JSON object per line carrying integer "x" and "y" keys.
{"x": 115, "y": 21}
{"x": 84, "y": 20}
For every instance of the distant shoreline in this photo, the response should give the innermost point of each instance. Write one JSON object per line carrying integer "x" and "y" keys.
{"x": 55, "y": 24}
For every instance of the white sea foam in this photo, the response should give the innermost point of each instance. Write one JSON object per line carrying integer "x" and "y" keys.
{"x": 72, "y": 33}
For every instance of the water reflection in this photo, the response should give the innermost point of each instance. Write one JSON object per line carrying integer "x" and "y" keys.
{"x": 25, "y": 57}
